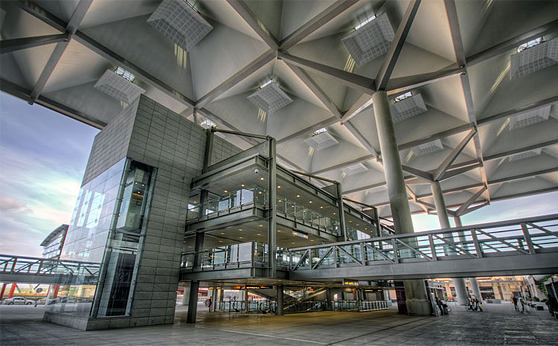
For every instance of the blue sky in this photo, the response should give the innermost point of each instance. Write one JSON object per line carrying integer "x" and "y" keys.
{"x": 43, "y": 156}
{"x": 42, "y": 159}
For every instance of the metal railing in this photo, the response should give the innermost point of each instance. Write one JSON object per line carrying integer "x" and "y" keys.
{"x": 42, "y": 266}
{"x": 237, "y": 201}
{"x": 509, "y": 238}
{"x": 296, "y": 212}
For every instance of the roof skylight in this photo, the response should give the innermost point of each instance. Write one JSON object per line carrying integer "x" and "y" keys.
{"x": 403, "y": 96}
{"x": 266, "y": 84}
{"x": 368, "y": 20}
{"x": 270, "y": 97}
{"x": 125, "y": 74}
{"x": 530, "y": 44}
{"x": 207, "y": 124}
{"x": 322, "y": 130}
{"x": 371, "y": 41}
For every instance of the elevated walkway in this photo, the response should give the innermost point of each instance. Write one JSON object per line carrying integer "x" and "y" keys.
{"x": 47, "y": 271}
{"x": 524, "y": 246}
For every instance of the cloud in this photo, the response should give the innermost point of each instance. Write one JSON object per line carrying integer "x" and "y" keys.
{"x": 9, "y": 203}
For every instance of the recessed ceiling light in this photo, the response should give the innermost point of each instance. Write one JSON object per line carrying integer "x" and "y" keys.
{"x": 259, "y": 234}
{"x": 242, "y": 185}
{"x": 226, "y": 191}
{"x": 240, "y": 237}
{"x": 261, "y": 178}
{"x": 240, "y": 229}
{"x": 222, "y": 233}
{"x": 261, "y": 225}
{"x": 310, "y": 202}
{"x": 321, "y": 207}
{"x": 278, "y": 186}
{"x": 298, "y": 196}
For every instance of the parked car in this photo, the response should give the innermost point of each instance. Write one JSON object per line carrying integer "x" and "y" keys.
{"x": 18, "y": 301}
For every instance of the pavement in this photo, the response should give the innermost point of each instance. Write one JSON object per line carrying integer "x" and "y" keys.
{"x": 499, "y": 324}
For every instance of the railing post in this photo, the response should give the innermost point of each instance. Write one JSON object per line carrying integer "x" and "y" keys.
{"x": 362, "y": 253}
{"x": 478, "y": 248}
{"x": 13, "y": 265}
{"x": 395, "y": 252}
{"x": 528, "y": 239}
{"x": 432, "y": 248}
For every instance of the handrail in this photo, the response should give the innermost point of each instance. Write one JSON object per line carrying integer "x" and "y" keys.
{"x": 11, "y": 264}
{"x": 440, "y": 231}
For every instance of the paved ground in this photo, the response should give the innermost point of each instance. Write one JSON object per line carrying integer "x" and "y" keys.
{"x": 498, "y": 325}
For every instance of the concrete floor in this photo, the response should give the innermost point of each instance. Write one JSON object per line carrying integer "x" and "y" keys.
{"x": 498, "y": 325}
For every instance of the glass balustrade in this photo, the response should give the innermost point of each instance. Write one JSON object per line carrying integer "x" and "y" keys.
{"x": 236, "y": 201}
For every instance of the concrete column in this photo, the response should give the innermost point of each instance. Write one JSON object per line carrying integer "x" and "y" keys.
{"x": 198, "y": 247}
{"x": 395, "y": 181}
{"x": 272, "y": 208}
{"x": 246, "y": 307}
{"x": 459, "y": 283}
{"x": 416, "y": 295}
{"x": 341, "y": 211}
{"x": 472, "y": 281}
{"x": 214, "y": 303}
{"x": 186, "y": 296}
{"x": 279, "y": 300}
{"x": 193, "y": 302}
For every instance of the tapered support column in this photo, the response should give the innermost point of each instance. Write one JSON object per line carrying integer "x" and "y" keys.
{"x": 341, "y": 211}
{"x": 272, "y": 218}
{"x": 459, "y": 283}
{"x": 416, "y": 296}
{"x": 472, "y": 281}
{"x": 280, "y": 300}
{"x": 193, "y": 302}
{"x": 397, "y": 192}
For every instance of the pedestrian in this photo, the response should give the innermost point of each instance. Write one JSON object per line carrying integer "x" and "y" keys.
{"x": 514, "y": 301}
{"x": 522, "y": 302}
{"x": 478, "y": 305}
{"x": 440, "y": 305}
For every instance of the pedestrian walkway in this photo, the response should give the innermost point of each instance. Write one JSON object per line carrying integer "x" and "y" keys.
{"x": 499, "y": 324}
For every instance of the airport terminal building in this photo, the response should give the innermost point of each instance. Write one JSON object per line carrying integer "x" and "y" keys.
{"x": 280, "y": 145}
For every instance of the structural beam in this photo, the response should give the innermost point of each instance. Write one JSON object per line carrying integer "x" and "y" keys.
{"x": 238, "y": 77}
{"x": 361, "y": 104}
{"x": 344, "y": 164}
{"x": 402, "y": 85}
{"x": 316, "y": 90}
{"x": 457, "y": 171}
{"x": 470, "y": 201}
{"x": 418, "y": 173}
{"x": 397, "y": 45}
{"x": 360, "y": 138}
{"x": 317, "y": 22}
{"x": 522, "y": 176}
{"x": 8, "y": 46}
{"x": 520, "y": 150}
{"x": 24, "y": 94}
{"x": 96, "y": 47}
{"x": 304, "y": 132}
{"x": 453, "y": 156}
{"x": 250, "y": 18}
{"x": 524, "y": 108}
{"x": 71, "y": 28}
{"x": 514, "y": 42}
{"x": 439, "y": 135}
{"x": 360, "y": 83}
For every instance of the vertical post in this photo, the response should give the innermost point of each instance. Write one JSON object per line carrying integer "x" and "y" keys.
{"x": 527, "y": 237}
{"x": 198, "y": 247}
{"x": 193, "y": 302}
{"x": 2, "y": 291}
{"x": 272, "y": 209}
{"x": 472, "y": 281}
{"x": 459, "y": 283}
{"x": 208, "y": 149}
{"x": 279, "y": 300}
{"x": 416, "y": 297}
{"x": 341, "y": 210}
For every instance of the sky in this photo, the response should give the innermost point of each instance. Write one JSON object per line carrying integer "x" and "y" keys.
{"x": 43, "y": 155}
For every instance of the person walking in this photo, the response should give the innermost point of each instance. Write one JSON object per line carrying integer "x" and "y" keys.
{"x": 440, "y": 306}
{"x": 514, "y": 300}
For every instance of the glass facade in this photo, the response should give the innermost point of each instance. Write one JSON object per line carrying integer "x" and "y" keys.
{"x": 106, "y": 230}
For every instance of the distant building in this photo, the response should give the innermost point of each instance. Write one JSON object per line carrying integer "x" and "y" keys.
{"x": 496, "y": 287}
{"x": 53, "y": 243}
